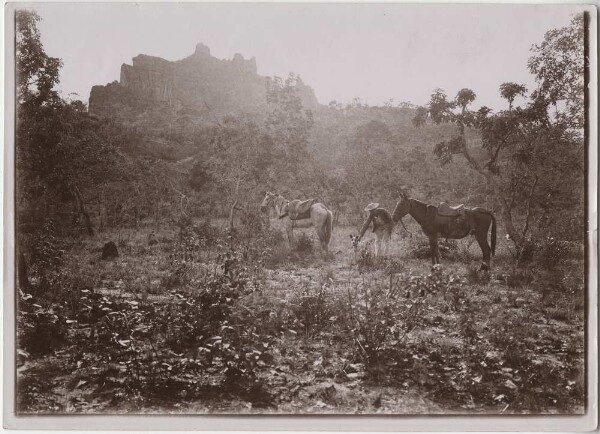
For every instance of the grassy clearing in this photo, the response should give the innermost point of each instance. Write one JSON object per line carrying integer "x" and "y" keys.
{"x": 206, "y": 321}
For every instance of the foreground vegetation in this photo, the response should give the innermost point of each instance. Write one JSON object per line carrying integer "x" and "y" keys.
{"x": 208, "y": 321}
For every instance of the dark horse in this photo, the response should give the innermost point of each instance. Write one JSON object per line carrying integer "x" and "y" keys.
{"x": 453, "y": 224}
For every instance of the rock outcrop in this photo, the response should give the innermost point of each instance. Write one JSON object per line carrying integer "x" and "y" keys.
{"x": 199, "y": 82}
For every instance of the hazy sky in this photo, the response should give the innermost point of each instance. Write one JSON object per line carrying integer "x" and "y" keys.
{"x": 375, "y": 52}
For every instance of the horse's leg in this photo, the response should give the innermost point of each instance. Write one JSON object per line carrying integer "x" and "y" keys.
{"x": 433, "y": 245}
{"x": 319, "y": 225}
{"x": 485, "y": 249}
{"x": 290, "y": 233}
{"x": 322, "y": 240}
{"x": 378, "y": 244}
{"x": 386, "y": 242}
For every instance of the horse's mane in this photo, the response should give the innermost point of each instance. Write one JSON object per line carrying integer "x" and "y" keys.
{"x": 420, "y": 202}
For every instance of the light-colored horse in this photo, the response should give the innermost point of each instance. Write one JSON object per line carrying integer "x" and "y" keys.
{"x": 321, "y": 218}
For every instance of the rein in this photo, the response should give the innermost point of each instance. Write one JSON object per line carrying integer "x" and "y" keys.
{"x": 409, "y": 232}
{"x": 279, "y": 206}
{"x": 402, "y": 223}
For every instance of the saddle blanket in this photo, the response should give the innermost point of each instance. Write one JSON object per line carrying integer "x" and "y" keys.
{"x": 298, "y": 210}
{"x": 450, "y": 211}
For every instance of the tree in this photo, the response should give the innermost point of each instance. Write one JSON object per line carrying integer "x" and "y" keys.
{"x": 464, "y": 97}
{"x": 62, "y": 154}
{"x": 509, "y": 91}
{"x": 420, "y": 117}
{"x": 241, "y": 164}
{"x": 37, "y": 73}
{"x": 525, "y": 148}
{"x": 289, "y": 124}
{"x": 558, "y": 65}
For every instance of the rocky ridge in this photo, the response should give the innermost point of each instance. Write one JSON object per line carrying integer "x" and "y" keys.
{"x": 200, "y": 84}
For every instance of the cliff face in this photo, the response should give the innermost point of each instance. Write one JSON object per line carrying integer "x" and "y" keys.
{"x": 200, "y": 82}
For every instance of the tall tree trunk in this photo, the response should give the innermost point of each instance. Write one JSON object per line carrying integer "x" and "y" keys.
{"x": 235, "y": 202}
{"x": 82, "y": 210}
{"x": 22, "y": 272}
{"x": 231, "y": 214}
{"x": 499, "y": 193}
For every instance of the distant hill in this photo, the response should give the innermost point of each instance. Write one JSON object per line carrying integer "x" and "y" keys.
{"x": 169, "y": 105}
{"x": 199, "y": 86}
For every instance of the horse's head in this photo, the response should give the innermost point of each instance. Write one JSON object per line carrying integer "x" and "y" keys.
{"x": 267, "y": 201}
{"x": 354, "y": 240}
{"x": 402, "y": 207}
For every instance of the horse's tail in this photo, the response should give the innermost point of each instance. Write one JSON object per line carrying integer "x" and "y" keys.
{"x": 328, "y": 227}
{"x": 493, "y": 234}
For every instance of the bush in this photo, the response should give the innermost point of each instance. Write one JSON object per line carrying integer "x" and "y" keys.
{"x": 477, "y": 276}
{"x": 312, "y": 309}
{"x": 303, "y": 244}
{"x": 40, "y": 329}
{"x": 447, "y": 249}
{"x": 365, "y": 258}
{"x": 435, "y": 282}
{"x": 547, "y": 252}
{"x": 45, "y": 255}
{"x": 379, "y": 320}
{"x": 187, "y": 253}
{"x": 518, "y": 277}
{"x": 551, "y": 252}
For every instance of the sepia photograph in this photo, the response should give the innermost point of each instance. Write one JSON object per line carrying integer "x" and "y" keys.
{"x": 300, "y": 209}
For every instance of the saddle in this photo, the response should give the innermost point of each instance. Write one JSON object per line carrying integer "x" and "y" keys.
{"x": 300, "y": 209}
{"x": 451, "y": 211}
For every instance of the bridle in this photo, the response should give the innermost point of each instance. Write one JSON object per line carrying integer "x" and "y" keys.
{"x": 271, "y": 201}
{"x": 407, "y": 212}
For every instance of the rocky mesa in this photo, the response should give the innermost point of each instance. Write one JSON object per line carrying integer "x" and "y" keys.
{"x": 200, "y": 83}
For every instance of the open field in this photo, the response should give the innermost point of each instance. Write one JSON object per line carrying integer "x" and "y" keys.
{"x": 205, "y": 321}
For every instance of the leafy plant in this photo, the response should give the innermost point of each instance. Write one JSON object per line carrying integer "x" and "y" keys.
{"x": 378, "y": 317}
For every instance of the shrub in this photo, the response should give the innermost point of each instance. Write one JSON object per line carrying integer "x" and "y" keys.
{"x": 477, "y": 276}
{"x": 447, "y": 249}
{"x": 435, "y": 282}
{"x": 379, "y": 319}
{"x": 518, "y": 277}
{"x": 365, "y": 258}
{"x": 547, "y": 252}
{"x": 551, "y": 252}
{"x": 312, "y": 309}
{"x": 40, "y": 329}
{"x": 45, "y": 256}
{"x": 253, "y": 222}
{"x": 303, "y": 244}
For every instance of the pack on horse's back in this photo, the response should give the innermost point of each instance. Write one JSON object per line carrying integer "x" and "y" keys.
{"x": 300, "y": 209}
